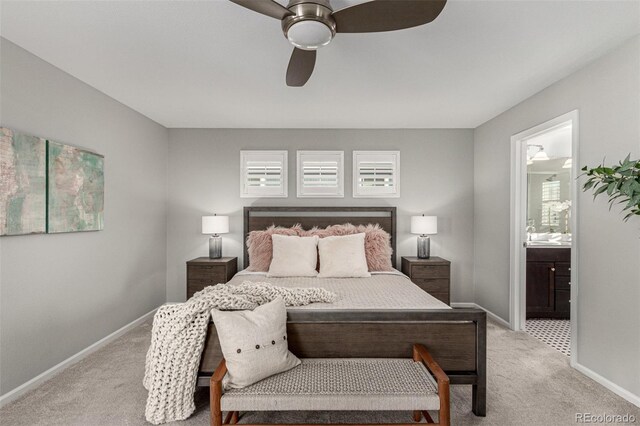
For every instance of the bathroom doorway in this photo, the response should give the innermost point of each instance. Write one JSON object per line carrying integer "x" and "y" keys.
{"x": 543, "y": 255}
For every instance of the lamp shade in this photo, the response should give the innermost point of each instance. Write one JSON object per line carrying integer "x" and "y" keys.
{"x": 215, "y": 224}
{"x": 424, "y": 225}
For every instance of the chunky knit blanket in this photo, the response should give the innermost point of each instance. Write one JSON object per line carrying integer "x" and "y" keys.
{"x": 178, "y": 335}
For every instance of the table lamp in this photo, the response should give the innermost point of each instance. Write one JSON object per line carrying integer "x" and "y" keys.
{"x": 215, "y": 225}
{"x": 424, "y": 226}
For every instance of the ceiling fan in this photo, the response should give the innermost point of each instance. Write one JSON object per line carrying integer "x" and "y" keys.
{"x": 311, "y": 24}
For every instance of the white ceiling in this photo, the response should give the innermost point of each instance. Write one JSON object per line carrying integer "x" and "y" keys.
{"x": 215, "y": 64}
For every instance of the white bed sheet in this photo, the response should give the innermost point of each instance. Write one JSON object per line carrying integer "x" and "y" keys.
{"x": 382, "y": 291}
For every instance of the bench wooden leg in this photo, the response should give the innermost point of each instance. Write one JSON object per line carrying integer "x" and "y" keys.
{"x": 420, "y": 352}
{"x": 234, "y": 417}
{"x": 428, "y": 417}
{"x": 216, "y": 413}
{"x": 215, "y": 393}
{"x": 417, "y": 416}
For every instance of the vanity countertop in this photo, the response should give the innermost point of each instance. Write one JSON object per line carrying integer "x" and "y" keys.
{"x": 548, "y": 244}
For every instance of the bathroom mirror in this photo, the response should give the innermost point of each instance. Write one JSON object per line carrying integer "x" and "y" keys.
{"x": 549, "y": 186}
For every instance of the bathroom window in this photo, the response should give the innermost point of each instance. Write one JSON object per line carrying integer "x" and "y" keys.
{"x": 550, "y": 201}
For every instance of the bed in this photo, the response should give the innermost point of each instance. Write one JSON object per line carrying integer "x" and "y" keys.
{"x": 377, "y": 317}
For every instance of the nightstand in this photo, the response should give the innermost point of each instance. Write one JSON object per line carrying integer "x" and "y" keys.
{"x": 203, "y": 272}
{"x": 433, "y": 275}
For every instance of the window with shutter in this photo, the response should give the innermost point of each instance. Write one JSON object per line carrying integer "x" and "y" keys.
{"x": 320, "y": 174}
{"x": 550, "y": 203}
{"x": 376, "y": 174}
{"x": 263, "y": 174}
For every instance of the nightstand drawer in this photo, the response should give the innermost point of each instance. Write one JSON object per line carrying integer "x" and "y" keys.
{"x": 437, "y": 285}
{"x": 206, "y": 273}
{"x": 431, "y": 271}
{"x": 194, "y": 286}
{"x": 205, "y": 283}
{"x": 443, "y": 297}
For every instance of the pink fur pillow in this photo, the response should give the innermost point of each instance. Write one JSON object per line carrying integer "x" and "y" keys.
{"x": 260, "y": 246}
{"x": 377, "y": 242}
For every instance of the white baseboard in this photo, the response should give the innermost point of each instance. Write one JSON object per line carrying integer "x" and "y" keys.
{"x": 632, "y": 398}
{"x": 463, "y": 305}
{"x": 489, "y": 313}
{"x": 13, "y": 394}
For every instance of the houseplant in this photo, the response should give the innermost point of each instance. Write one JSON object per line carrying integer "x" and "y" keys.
{"x": 620, "y": 182}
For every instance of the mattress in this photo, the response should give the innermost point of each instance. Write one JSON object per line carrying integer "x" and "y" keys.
{"x": 381, "y": 291}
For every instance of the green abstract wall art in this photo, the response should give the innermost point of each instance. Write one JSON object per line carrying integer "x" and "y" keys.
{"x": 76, "y": 189}
{"x": 22, "y": 183}
{"x": 47, "y": 186}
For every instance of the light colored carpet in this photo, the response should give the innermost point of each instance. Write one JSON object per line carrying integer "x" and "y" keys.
{"x": 529, "y": 383}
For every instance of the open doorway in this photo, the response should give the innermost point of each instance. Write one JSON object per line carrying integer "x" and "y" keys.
{"x": 543, "y": 232}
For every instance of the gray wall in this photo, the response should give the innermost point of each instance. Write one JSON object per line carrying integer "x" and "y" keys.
{"x": 607, "y": 95}
{"x": 61, "y": 293}
{"x": 436, "y": 178}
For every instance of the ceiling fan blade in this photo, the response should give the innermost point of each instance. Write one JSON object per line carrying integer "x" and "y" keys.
{"x": 266, "y": 7}
{"x": 387, "y": 15}
{"x": 300, "y": 67}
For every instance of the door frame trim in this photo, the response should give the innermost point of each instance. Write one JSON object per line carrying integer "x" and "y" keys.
{"x": 517, "y": 290}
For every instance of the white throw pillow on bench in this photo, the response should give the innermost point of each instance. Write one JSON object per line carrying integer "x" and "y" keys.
{"x": 254, "y": 343}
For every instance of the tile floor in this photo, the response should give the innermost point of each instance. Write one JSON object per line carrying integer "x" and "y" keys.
{"x": 553, "y": 332}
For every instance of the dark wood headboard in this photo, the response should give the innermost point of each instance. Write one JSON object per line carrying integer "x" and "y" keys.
{"x": 260, "y": 218}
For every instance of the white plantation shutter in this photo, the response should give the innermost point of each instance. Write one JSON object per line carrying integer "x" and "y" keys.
{"x": 263, "y": 174}
{"x": 320, "y": 174}
{"x": 550, "y": 199}
{"x": 376, "y": 174}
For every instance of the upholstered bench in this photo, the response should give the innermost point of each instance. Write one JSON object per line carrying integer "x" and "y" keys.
{"x": 336, "y": 384}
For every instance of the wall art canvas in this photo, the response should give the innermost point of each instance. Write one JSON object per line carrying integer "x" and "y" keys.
{"x": 76, "y": 189}
{"x": 22, "y": 183}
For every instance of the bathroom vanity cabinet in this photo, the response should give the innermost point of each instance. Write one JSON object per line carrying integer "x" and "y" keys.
{"x": 548, "y": 282}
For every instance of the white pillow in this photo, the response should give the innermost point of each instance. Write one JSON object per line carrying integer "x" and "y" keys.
{"x": 294, "y": 256}
{"x": 343, "y": 257}
{"x": 254, "y": 343}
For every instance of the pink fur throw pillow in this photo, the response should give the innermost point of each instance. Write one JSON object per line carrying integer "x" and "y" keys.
{"x": 377, "y": 243}
{"x": 260, "y": 246}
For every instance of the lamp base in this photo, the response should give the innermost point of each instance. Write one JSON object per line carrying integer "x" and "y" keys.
{"x": 215, "y": 247}
{"x": 424, "y": 247}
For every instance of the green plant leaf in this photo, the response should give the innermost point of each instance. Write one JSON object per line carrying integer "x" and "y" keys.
{"x": 621, "y": 182}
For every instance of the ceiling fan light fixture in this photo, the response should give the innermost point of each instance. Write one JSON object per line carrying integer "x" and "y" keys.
{"x": 311, "y": 24}
{"x": 309, "y": 34}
